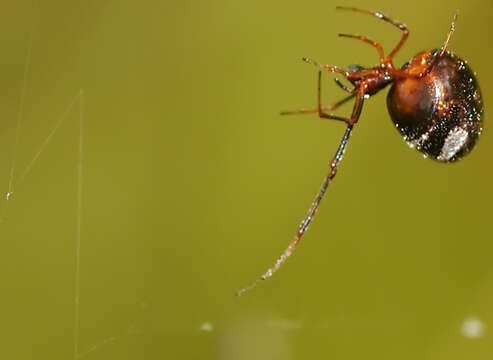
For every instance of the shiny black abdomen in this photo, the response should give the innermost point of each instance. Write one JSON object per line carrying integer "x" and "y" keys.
{"x": 440, "y": 113}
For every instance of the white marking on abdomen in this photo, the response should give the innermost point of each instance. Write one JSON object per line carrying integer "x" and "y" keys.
{"x": 456, "y": 138}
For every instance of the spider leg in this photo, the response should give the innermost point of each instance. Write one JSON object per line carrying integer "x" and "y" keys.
{"x": 343, "y": 87}
{"x": 358, "y": 105}
{"x": 368, "y": 41}
{"x": 315, "y": 111}
{"x": 444, "y": 47}
{"x": 348, "y": 75}
{"x": 311, "y": 212}
{"x": 328, "y": 179}
{"x": 402, "y": 27}
{"x": 449, "y": 35}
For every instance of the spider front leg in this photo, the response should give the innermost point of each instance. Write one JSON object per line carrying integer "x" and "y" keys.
{"x": 348, "y": 75}
{"x": 358, "y": 105}
{"x": 376, "y": 45}
{"x": 309, "y": 216}
{"x": 343, "y": 87}
{"x": 327, "y": 107}
{"x": 315, "y": 111}
{"x": 402, "y": 27}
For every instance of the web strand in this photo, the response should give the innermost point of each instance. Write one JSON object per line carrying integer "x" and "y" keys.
{"x": 79, "y": 97}
{"x": 78, "y": 227}
{"x": 311, "y": 213}
{"x": 20, "y": 115}
{"x": 50, "y": 136}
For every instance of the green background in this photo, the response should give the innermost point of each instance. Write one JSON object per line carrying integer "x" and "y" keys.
{"x": 193, "y": 184}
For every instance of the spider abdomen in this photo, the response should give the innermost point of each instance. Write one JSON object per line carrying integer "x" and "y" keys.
{"x": 441, "y": 112}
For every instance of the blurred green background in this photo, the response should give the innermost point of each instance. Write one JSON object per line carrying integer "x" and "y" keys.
{"x": 193, "y": 184}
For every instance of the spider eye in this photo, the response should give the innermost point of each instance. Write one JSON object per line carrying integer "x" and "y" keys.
{"x": 355, "y": 68}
